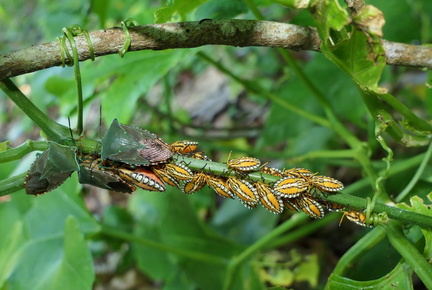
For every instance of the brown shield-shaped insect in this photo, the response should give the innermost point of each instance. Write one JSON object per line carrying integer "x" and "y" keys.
{"x": 134, "y": 146}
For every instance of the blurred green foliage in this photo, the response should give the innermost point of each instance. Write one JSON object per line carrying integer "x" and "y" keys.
{"x": 80, "y": 237}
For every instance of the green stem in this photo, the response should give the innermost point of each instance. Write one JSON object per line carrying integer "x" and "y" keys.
{"x": 417, "y": 175}
{"x": 106, "y": 230}
{"x": 12, "y": 184}
{"x": 348, "y": 201}
{"x": 51, "y": 129}
{"x": 410, "y": 254}
{"x": 414, "y": 121}
{"x": 405, "y": 216}
{"x": 22, "y": 150}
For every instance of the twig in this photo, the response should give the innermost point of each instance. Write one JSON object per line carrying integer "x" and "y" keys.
{"x": 236, "y": 32}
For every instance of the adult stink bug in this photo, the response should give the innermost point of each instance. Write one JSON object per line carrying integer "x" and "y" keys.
{"x": 195, "y": 184}
{"x": 134, "y": 146}
{"x": 244, "y": 164}
{"x": 310, "y": 206}
{"x": 268, "y": 198}
{"x": 143, "y": 178}
{"x": 51, "y": 169}
{"x": 93, "y": 173}
{"x": 243, "y": 190}
{"x": 184, "y": 147}
{"x": 290, "y": 187}
{"x": 326, "y": 184}
{"x": 219, "y": 185}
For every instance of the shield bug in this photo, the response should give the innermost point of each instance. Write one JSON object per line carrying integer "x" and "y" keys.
{"x": 291, "y": 204}
{"x": 134, "y": 146}
{"x": 271, "y": 171}
{"x": 179, "y": 171}
{"x": 310, "y": 206}
{"x": 51, "y": 169}
{"x": 298, "y": 172}
{"x": 290, "y": 187}
{"x": 357, "y": 217}
{"x": 219, "y": 185}
{"x": 244, "y": 164}
{"x": 195, "y": 184}
{"x": 200, "y": 156}
{"x": 243, "y": 190}
{"x": 268, "y": 198}
{"x": 91, "y": 172}
{"x": 326, "y": 184}
{"x": 143, "y": 178}
{"x": 331, "y": 206}
{"x": 165, "y": 177}
{"x": 184, "y": 147}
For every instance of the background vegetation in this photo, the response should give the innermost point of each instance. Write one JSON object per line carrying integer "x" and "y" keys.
{"x": 307, "y": 109}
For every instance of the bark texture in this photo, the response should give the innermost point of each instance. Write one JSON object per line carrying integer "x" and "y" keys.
{"x": 236, "y": 32}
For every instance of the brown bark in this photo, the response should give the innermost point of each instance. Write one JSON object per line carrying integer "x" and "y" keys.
{"x": 193, "y": 34}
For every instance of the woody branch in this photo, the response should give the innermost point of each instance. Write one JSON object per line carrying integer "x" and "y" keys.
{"x": 239, "y": 33}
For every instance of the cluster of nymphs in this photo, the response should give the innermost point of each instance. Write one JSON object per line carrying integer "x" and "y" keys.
{"x": 131, "y": 157}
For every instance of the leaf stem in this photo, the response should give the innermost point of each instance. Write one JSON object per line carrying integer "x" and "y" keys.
{"x": 410, "y": 253}
{"x": 416, "y": 176}
{"x": 12, "y": 184}
{"x": 51, "y": 129}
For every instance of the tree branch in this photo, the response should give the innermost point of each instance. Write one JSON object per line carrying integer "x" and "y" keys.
{"x": 193, "y": 34}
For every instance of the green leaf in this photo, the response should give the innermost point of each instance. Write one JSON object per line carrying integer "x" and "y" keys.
{"x": 44, "y": 217}
{"x": 54, "y": 262}
{"x": 418, "y": 205}
{"x": 13, "y": 239}
{"x": 363, "y": 61}
{"x": 221, "y": 9}
{"x": 158, "y": 217}
{"x": 177, "y": 11}
{"x": 329, "y": 17}
{"x": 131, "y": 78}
{"x": 400, "y": 276}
